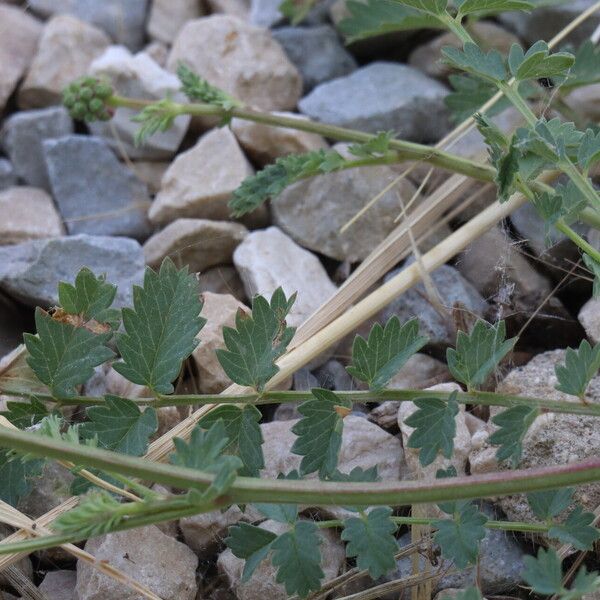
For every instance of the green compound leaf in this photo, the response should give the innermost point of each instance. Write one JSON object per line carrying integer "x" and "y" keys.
{"x": 579, "y": 368}
{"x": 161, "y": 328}
{"x": 25, "y": 414}
{"x": 378, "y": 17}
{"x": 371, "y": 540}
{"x": 250, "y": 543}
{"x": 91, "y": 297}
{"x": 514, "y": 423}
{"x": 537, "y": 62}
{"x": 473, "y": 60}
{"x": 198, "y": 89}
{"x": 63, "y": 356}
{"x": 297, "y": 557}
{"x": 551, "y": 141}
{"x": 243, "y": 430}
{"x": 584, "y": 583}
{"x": 471, "y": 593}
{"x": 589, "y": 150}
{"x": 119, "y": 425}
{"x": 204, "y": 452}
{"x": 549, "y": 504}
{"x": 460, "y": 536}
{"x": 156, "y": 117}
{"x": 492, "y": 7}
{"x": 585, "y": 70}
{"x": 435, "y": 427}
{"x": 432, "y": 7}
{"x": 594, "y": 267}
{"x": 544, "y": 573}
{"x": 477, "y": 354}
{"x": 257, "y": 341}
{"x": 577, "y": 530}
{"x": 16, "y": 476}
{"x": 378, "y": 146}
{"x": 319, "y": 432}
{"x": 377, "y": 359}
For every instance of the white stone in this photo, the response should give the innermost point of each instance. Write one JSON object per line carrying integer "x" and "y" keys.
{"x": 138, "y": 76}
{"x": 167, "y": 17}
{"x": 243, "y": 60}
{"x": 589, "y": 317}
{"x": 59, "y": 585}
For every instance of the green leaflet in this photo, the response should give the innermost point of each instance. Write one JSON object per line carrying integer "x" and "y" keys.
{"x": 283, "y": 513}
{"x": 119, "y": 425}
{"x": 577, "y": 530}
{"x": 251, "y": 543}
{"x": 257, "y": 341}
{"x": 95, "y": 515}
{"x": 551, "y": 141}
{"x": 435, "y": 428}
{"x": 243, "y": 431}
{"x": 357, "y": 475}
{"x": 544, "y": 573}
{"x": 157, "y": 117}
{"x": 585, "y": 69}
{"x": 432, "y": 7}
{"x": 537, "y": 62}
{"x": 492, "y": 7}
{"x": 319, "y": 432}
{"x": 589, "y": 150}
{"x": 63, "y": 356}
{"x": 25, "y": 414}
{"x": 296, "y": 10}
{"x": 549, "y": 504}
{"x": 161, "y": 328}
{"x": 473, "y": 60}
{"x": 198, "y": 89}
{"x": 377, "y": 359}
{"x": 579, "y": 368}
{"x": 16, "y": 476}
{"x": 371, "y": 540}
{"x": 477, "y": 354}
{"x": 514, "y": 423}
{"x": 204, "y": 452}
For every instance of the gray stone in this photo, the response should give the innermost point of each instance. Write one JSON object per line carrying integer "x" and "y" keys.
{"x": 8, "y": 177}
{"x": 333, "y": 376}
{"x": 147, "y": 555}
{"x": 94, "y": 192}
{"x": 223, "y": 279}
{"x": 380, "y": 97}
{"x": 317, "y": 52}
{"x": 453, "y": 288}
{"x": 589, "y": 317}
{"x": 59, "y": 585}
{"x": 265, "y": 13}
{"x": 167, "y": 17}
{"x": 50, "y": 490}
{"x": 31, "y": 271}
{"x": 544, "y": 22}
{"x": 22, "y": 136}
{"x": 123, "y": 20}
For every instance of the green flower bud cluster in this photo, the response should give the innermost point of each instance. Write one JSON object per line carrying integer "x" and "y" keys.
{"x": 86, "y": 99}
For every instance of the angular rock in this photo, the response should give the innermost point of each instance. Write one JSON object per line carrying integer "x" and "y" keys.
{"x": 314, "y": 210}
{"x": 158, "y": 52}
{"x": 317, "y": 52}
{"x": 586, "y": 100}
{"x": 223, "y": 279}
{"x": 268, "y": 259}
{"x": 138, "y": 76}
{"x": 264, "y": 143}
{"x": 241, "y": 59}
{"x": 59, "y": 585}
{"x": 201, "y": 180}
{"x": 262, "y": 584}
{"x": 22, "y": 136}
{"x": 380, "y": 97}
{"x": 198, "y": 243}
{"x": 167, "y": 17}
{"x": 31, "y": 271}
{"x": 27, "y": 214}
{"x": 234, "y": 8}
{"x": 589, "y": 317}
{"x": 156, "y": 560}
{"x": 151, "y": 173}
{"x": 333, "y": 376}
{"x": 8, "y": 177}
{"x": 104, "y": 198}
{"x": 50, "y": 490}
{"x": 67, "y": 48}
{"x": 452, "y": 288}
{"x": 19, "y": 35}
{"x": 265, "y": 13}
{"x": 219, "y": 310}
{"x": 123, "y": 20}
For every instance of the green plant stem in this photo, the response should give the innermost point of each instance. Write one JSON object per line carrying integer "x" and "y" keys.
{"x": 455, "y": 26}
{"x": 590, "y": 217}
{"x": 406, "y": 150}
{"x": 475, "y": 397}
{"x": 312, "y": 492}
{"x": 577, "y": 239}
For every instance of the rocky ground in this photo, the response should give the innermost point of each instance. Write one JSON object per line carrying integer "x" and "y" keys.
{"x": 73, "y": 196}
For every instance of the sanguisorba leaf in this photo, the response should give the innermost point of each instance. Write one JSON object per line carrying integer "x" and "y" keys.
{"x": 243, "y": 430}
{"x": 550, "y": 503}
{"x": 477, "y": 354}
{"x": 25, "y": 414}
{"x": 63, "y": 356}
{"x": 490, "y": 66}
{"x": 371, "y": 540}
{"x": 537, "y": 62}
{"x": 319, "y": 432}
{"x": 544, "y": 573}
{"x": 435, "y": 427}
{"x": 491, "y": 7}
{"x": 16, "y": 475}
{"x": 377, "y": 359}
{"x": 251, "y": 543}
{"x": 257, "y": 341}
{"x": 514, "y": 423}
{"x": 120, "y": 425}
{"x": 579, "y": 368}
{"x": 297, "y": 557}
{"x": 577, "y": 530}
{"x": 161, "y": 328}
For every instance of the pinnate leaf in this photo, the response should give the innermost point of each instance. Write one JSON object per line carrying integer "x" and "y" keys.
{"x": 16, "y": 476}
{"x": 548, "y": 504}
{"x": 371, "y": 540}
{"x": 513, "y": 424}
{"x": 251, "y": 543}
{"x": 537, "y": 62}
{"x": 579, "y": 368}
{"x": 243, "y": 430}
{"x": 161, "y": 328}
{"x": 25, "y": 414}
{"x": 577, "y": 530}
{"x": 435, "y": 427}
{"x": 319, "y": 432}
{"x": 477, "y": 354}
{"x": 377, "y": 359}
{"x": 257, "y": 341}
{"x": 585, "y": 69}
{"x": 198, "y": 89}
{"x": 544, "y": 572}
{"x": 433, "y": 7}
{"x": 474, "y": 60}
{"x": 120, "y": 426}
{"x": 64, "y": 356}
{"x": 491, "y": 7}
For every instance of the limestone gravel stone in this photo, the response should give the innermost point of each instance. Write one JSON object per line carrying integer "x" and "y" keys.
{"x": 8, "y": 177}
{"x": 59, "y": 585}
{"x": 167, "y": 17}
{"x": 589, "y": 317}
